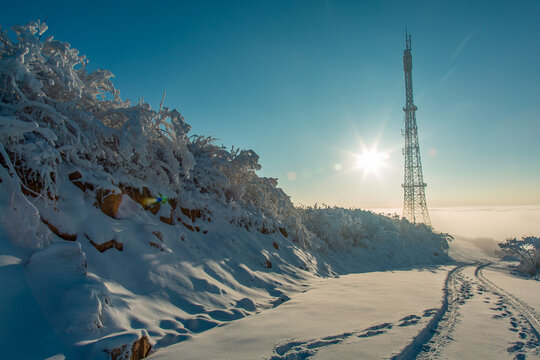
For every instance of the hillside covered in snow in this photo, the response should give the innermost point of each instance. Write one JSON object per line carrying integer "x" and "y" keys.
{"x": 121, "y": 232}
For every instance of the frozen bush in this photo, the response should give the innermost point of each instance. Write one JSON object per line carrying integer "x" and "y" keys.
{"x": 57, "y": 117}
{"x": 53, "y": 112}
{"x": 341, "y": 228}
{"x": 527, "y": 250}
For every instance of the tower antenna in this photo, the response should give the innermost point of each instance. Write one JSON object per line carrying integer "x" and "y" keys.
{"x": 414, "y": 196}
{"x": 407, "y": 40}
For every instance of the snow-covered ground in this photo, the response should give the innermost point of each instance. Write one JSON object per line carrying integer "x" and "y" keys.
{"x": 490, "y": 323}
{"x": 119, "y": 232}
{"x": 476, "y": 310}
{"x": 356, "y": 316}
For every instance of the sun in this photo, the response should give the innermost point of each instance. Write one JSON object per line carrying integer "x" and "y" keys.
{"x": 371, "y": 161}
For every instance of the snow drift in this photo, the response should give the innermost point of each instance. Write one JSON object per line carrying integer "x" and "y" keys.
{"x": 119, "y": 232}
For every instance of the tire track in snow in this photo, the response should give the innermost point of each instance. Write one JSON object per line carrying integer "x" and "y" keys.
{"x": 435, "y": 335}
{"x": 458, "y": 289}
{"x": 528, "y": 313}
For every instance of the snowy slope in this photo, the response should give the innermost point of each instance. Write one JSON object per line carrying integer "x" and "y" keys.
{"x": 121, "y": 233}
{"x": 469, "y": 311}
{"x": 356, "y": 316}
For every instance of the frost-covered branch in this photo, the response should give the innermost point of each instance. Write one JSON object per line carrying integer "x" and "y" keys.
{"x": 527, "y": 250}
{"x": 55, "y": 113}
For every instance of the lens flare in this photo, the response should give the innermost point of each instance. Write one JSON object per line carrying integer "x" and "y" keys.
{"x": 154, "y": 200}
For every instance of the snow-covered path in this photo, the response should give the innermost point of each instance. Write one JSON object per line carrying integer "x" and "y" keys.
{"x": 483, "y": 321}
{"x": 476, "y": 310}
{"x": 369, "y": 316}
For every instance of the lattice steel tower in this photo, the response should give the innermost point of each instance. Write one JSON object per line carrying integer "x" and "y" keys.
{"x": 414, "y": 205}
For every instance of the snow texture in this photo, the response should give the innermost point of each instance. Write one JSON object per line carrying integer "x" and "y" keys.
{"x": 92, "y": 256}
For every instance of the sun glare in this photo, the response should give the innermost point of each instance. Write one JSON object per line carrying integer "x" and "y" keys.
{"x": 371, "y": 161}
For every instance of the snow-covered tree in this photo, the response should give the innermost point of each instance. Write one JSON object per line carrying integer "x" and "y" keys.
{"x": 527, "y": 250}
{"x": 55, "y": 114}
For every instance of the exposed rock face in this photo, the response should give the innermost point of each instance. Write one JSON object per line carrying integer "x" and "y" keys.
{"x": 30, "y": 185}
{"x": 157, "y": 246}
{"x": 167, "y": 220}
{"x": 139, "y": 350}
{"x": 264, "y": 230}
{"x": 108, "y": 202}
{"x": 158, "y": 234}
{"x": 32, "y": 188}
{"x": 141, "y": 197}
{"x": 189, "y": 227}
{"x": 107, "y": 245}
{"x": 191, "y": 213}
{"x": 75, "y": 177}
{"x": 63, "y": 235}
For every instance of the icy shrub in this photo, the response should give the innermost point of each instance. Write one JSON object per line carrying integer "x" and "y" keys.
{"x": 57, "y": 120}
{"x": 527, "y": 250}
{"x": 78, "y": 163}
{"x": 56, "y": 115}
{"x": 53, "y": 111}
{"x": 342, "y": 228}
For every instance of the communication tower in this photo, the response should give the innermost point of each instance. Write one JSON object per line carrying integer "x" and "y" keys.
{"x": 414, "y": 205}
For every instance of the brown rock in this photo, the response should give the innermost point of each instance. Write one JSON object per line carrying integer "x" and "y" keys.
{"x": 158, "y": 234}
{"x": 173, "y": 203}
{"x": 107, "y": 245}
{"x": 32, "y": 188}
{"x": 185, "y": 211}
{"x": 195, "y": 213}
{"x": 188, "y": 226}
{"x": 167, "y": 220}
{"x": 137, "y": 195}
{"x": 153, "y": 208}
{"x": 139, "y": 350}
{"x": 276, "y": 245}
{"x": 75, "y": 177}
{"x": 157, "y": 246}
{"x": 142, "y": 197}
{"x": 192, "y": 213}
{"x": 265, "y": 230}
{"x": 118, "y": 353}
{"x": 108, "y": 202}
{"x": 283, "y": 231}
{"x": 54, "y": 229}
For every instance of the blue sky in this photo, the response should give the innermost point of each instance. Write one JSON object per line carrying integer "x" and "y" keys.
{"x": 304, "y": 82}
